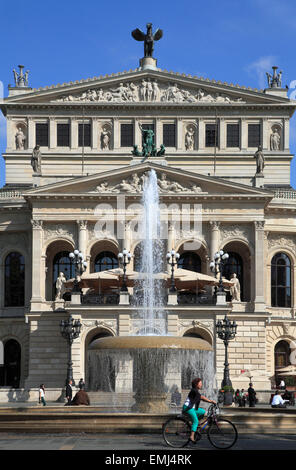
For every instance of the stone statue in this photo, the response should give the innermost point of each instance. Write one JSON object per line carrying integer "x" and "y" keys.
{"x": 275, "y": 140}
{"x": 60, "y": 287}
{"x": 20, "y": 139}
{"x": 36, "y": 159}
{"x": 156, "y": 91}
{"x": 189, "y": 138}
{"x": 148, "y": 38}
{"x": 259, "y": 160}
{"x": 235, "y": 288}
{"x": 148, "y": 145}
{"x": 105, "y": 139}
{"x": 166, "y": 185}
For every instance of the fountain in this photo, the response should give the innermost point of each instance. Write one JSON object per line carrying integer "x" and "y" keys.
{"x": 156, "y": 358}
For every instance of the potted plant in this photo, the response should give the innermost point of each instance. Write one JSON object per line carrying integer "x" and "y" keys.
{"x": 228, "y": 395}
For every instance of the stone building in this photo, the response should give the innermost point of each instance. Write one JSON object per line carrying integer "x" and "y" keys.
{"x": 74, "y": 147}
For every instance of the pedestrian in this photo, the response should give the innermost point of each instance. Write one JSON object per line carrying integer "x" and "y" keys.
{"x": 81, "y": 384}
{"x": 282, "y": 385}
{"x": 277, "y": 401}
{"x": 42, "y": 395}
{"x": 81, "y": 398}
{"x": 243, "y": 398}
{"x": 252, "y": 396}
{"x": 69, "y": 392}
{"x": 237, "y": 398}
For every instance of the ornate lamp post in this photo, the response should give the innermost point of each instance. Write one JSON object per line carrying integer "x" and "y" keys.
{"x": 70, "y": 329}
{"x": 217, "y": 265}
{"x": 80, "y": 266}
{"x": 226, "y": 331}
{"x": 124, "y": 258}
{"x": 172, "y": 259}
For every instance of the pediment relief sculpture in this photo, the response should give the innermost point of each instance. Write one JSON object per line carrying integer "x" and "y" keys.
{"x": 134, "y": 184}
{"x": 150, "y": 90}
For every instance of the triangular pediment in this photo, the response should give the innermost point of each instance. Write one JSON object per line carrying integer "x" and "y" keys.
{"x": 129, "y": 181}
{"x": 143, "y": 87}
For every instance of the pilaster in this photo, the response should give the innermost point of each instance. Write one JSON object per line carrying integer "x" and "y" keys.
{"x": 52, "y": 133}
{"x": 259, "y": 300}
{"x": 38, "y": 269}
{"x": 31, "y": 133}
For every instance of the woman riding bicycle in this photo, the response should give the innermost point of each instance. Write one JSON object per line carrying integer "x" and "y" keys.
{"x": 191, "y": 405}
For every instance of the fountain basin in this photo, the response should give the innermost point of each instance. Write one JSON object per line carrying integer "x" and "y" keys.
{"x": 150, "y": 342}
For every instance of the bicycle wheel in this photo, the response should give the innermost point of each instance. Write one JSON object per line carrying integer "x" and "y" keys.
{"x": 176, "y": 432}
{"x": 222, "y": 433}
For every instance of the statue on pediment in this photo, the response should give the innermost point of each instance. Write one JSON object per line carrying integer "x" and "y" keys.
{"x": 260, "y": 160}
{"x": 36, "y": 159}
{"x": 148, "y": 38}
{"x": 166, "y": 185}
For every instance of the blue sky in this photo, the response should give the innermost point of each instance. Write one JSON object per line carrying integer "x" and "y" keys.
{"x": 232, "y": 40}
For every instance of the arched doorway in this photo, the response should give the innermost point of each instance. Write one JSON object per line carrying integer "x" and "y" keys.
{"x": 11, "y": 373}
{"x": 190, "y": 260}
{"x": 62, "y": 263}
{"x": 100, "y": 368}
{"x": 282, "y": 353}
{"x": 239, "y": 262}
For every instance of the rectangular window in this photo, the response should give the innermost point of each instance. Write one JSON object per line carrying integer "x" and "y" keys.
{"x": 42, "y": 134}
{"x": 254, "y": 138}
{"x": 63, "y": 135}
{"x": 233, "y": 135}
{"x": 126, "y": 135}
{"x": 211, "y": 135}
{"x": 169, "y": 135}
{"x": 84, "y": 135}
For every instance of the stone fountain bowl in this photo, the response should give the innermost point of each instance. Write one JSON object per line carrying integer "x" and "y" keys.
{"x": 150, "y": 342}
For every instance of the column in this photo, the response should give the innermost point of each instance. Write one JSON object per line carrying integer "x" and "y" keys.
{"x": 259, "y": 300}
{"x": 94, "y": 134}
{"x": 38, "y": 271}
{"x": 244, "y": 134}
{"x": 171, "y": 236}
{"x": 31, "y": 134}
{"x": 215, "y": 238}
{"x": 74, "y": 133}
{"x": 222, "y": 134}
{"x": 52, "y": 133}
{"x": 137, "y": 134}
{"x": 180, "y": 138}
{"x": 286, "y": 136}
{"x": 201, "y": 134}
{"x": 82, "y": 236}
{"x": 116, "y": 136}
{"x": 158, "y": 133}
{"x": 265, "y": 134}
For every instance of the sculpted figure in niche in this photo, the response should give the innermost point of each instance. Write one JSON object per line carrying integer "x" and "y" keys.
{"x": 105, "y": 138}
{"x": 149, "y": 92}
{"x": 189, "y": 138}
{"x": 259, "y": 160}
{"x": 36, "y": 159}
{"x": 235, "y": 288}
{"x": 20, "y": 139}
{"x": 60, "y": 287}
{"x": 143, "y": 90}
{"x": 275, "y": 140}
{"x": 156, "y": 91}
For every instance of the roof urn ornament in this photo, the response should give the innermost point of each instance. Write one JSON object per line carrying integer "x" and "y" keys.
{"x": 148, "y": 38}
{"x": 20, "y": 78}
{"x": 274, "y": 80}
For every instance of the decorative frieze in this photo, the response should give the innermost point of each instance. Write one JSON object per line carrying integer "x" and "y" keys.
{"x": 235, "y": 231}
{"x": 281, "y": 241}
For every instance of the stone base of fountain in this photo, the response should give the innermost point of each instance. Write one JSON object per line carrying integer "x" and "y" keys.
{"x": 150, "y": 403}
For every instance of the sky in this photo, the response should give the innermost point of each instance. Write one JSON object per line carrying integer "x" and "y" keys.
{"x": 236, "y": 41}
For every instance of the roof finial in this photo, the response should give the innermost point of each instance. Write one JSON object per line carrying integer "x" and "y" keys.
{"x": 21, "y": 79}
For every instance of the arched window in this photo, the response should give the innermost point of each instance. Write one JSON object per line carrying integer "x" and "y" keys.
{"x": 234, "y": 265}
{"x": 62, "y": 263}
{"x": 281, "y": 354}
{"x": 190, "y": 260}
{"x": 12, "y": 364}
{"x": 105, "y": 260}
{"x": 14, "y": 280}
{"x": 280, "y": 281}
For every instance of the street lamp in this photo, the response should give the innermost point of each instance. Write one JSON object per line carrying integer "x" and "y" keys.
{"x": 70, "y": 329}
{"x": 217, "y": 265}
{"x": 80, "y": 266}
{"x": 124, "y": 258}
{"x": 172, "y": 259}
{"x": 226, "y": 331}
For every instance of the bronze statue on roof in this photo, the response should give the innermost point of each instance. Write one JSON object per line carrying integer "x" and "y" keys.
{"x": 148, "y": 38}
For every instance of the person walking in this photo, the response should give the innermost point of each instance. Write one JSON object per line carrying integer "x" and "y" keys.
{"x": 42, "y": 395}
{"x": 252, "y": 396}
{"x": 69, "y": 392}
{"x": 81, "y": 384}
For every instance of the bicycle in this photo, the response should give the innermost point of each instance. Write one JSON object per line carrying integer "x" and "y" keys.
{"x": 221, "y": 432}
